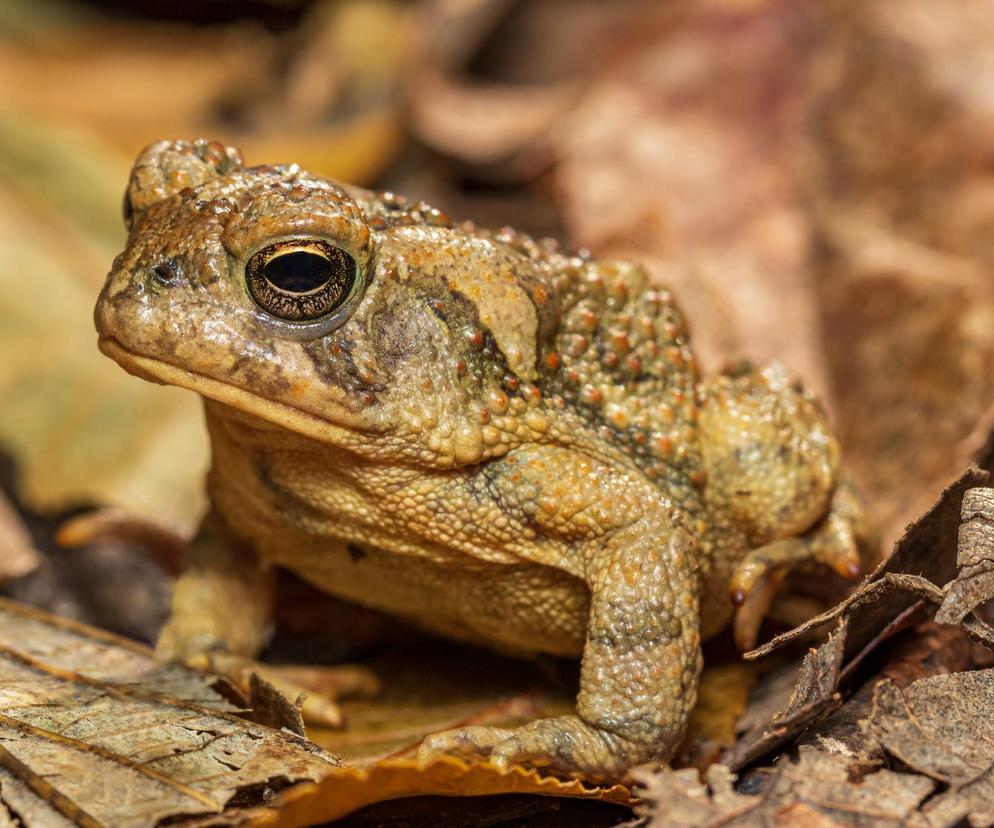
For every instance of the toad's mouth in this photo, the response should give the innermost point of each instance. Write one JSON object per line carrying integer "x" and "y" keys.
{"x": 280, "y": 414}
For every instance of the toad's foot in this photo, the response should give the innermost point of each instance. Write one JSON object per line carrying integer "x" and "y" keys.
{"x": 832, "y": 542}
{"x": 319, "y": 688}
{"x": 566, "y": 744}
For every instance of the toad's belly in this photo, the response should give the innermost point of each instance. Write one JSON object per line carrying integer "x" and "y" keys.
{"x": 524, "y": 608}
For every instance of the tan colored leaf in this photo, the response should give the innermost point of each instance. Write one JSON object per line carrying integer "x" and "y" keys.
{"x": 722, "y": 697}
{"x": 204, "y": 79}
{"x": 428, "y": 686}
{"x": 52, "y": 75}
{"x": 96, "y": 731}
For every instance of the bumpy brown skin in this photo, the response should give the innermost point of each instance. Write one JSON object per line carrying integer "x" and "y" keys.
{"x": 503, "y": 443}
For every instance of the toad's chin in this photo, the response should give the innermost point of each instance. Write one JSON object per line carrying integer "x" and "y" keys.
{"x": 279, "y": 414}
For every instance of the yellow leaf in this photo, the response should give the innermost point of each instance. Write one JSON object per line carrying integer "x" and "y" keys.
{"x": 345, "y": 790}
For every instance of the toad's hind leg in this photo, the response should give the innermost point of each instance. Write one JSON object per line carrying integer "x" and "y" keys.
{"x": 641, "y": 658}
{"x": 221, "y": 618}
{"x": 834, "y": 542}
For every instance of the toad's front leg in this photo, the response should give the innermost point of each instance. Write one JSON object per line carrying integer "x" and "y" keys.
{"x": 221, "y": 618}
{"x": 222, "y": 602}
{"x": 641, "y": 658}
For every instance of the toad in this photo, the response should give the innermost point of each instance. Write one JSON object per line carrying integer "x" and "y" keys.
{"x": 503, "y": 442}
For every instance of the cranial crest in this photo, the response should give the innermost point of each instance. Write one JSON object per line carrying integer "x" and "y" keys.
{"x": 165, "y": 168}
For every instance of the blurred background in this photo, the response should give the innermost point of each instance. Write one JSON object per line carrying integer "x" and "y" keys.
{"x": 815, "y": 181}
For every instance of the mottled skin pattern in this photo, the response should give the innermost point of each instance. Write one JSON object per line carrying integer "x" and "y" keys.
{"x": 504, "y": 443}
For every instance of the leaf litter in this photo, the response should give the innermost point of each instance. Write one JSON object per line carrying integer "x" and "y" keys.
{"x": 96, "y": 731}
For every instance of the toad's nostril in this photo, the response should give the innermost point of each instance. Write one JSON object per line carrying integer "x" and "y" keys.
{"x": 166, "y": 273}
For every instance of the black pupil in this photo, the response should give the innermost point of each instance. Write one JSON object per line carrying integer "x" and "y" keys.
{"x": 299, "y": 272}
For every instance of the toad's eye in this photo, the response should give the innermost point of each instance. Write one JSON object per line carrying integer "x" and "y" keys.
{"x": 300, "y": 281}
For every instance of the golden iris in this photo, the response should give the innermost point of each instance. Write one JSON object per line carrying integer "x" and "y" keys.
{"x": 300, "y": 281}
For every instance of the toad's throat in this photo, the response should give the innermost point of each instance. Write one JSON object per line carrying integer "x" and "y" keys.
{"x": 278, "y": 413}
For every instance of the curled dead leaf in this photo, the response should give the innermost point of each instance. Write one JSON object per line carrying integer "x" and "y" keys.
{"x": 347, "y": 789}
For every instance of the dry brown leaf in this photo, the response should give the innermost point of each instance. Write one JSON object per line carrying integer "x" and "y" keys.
{"x": 672, "y": 799}
{"x": 94, "y": 729}
{"x": 929, "y": 650}
{"x": 941, "y": 727}
{"x": 111, "y": 524}
{"x": 899, "y": 178}
{"x": 348, "y": 789}
{"x": 818, "y": 789}
{"x": 813, "y": 695}
{"x": 825, "y": 784}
